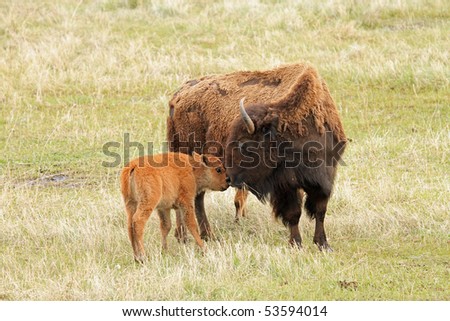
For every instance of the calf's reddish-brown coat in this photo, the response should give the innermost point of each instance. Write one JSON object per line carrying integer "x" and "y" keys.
{"x": 162, "y": 182}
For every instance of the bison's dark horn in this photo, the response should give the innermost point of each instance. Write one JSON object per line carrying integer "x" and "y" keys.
{"x": 247, "y": 120}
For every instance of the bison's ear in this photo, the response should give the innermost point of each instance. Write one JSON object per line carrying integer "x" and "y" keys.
{"x": 270, "y": 124}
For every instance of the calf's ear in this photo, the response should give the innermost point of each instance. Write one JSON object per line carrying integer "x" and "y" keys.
{"x": 205, "y": 160}
{"x": 197, "y": 157}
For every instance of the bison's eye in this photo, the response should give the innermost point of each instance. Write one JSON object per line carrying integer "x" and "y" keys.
{"x": 219, "y": 170}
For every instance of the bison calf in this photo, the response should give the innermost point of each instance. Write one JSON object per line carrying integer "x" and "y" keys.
{"x": 163, "y": 182}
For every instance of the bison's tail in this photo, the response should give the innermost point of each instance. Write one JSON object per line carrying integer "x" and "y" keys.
{"x": 125, "y": 178}
{"x": 171, "y": 130}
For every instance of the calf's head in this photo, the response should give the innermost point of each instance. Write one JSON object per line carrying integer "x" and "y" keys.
{"x": 212, "y": 174}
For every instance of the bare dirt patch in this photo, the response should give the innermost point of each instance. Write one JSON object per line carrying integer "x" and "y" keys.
{"x": 57, "y": 180}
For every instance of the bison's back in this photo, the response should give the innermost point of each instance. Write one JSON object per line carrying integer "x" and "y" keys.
{"x": 223, "y": 92}
{"x": 202, "y": 110}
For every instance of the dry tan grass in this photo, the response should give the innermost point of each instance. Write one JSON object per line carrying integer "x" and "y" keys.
{"x": 78, "y": 74}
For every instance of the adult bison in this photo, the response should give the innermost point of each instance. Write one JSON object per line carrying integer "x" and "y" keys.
{"x": 289, "y": 137}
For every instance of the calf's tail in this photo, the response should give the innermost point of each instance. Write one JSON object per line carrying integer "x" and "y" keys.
{"x": 125, "y": 181}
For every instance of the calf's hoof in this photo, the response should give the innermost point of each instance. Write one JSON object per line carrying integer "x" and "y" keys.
{"x": 139, "y": 259}
{"x": 207, "y": 236}
{"x": 180, "y": 235}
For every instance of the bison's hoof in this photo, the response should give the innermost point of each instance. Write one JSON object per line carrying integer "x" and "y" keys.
{"x": 296, "y": 243}
{"x": 325, "y": 248}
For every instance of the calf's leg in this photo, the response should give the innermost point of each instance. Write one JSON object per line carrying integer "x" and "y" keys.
{"x": 130, "y": 207}
{"x": 205, "y": 229}
{"x": 139, "y": 220}
{"x": 165, "y": 224}
{"x": 191, "y": 224}
{"x": 180, "y": 230}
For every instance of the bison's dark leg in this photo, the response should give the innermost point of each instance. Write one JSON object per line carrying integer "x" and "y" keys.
{"x": 316, "y": 205}
{"x": 202, "y": 220}
{"x": 286, "y": 205}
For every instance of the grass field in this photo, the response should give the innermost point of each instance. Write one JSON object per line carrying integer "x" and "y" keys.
{"x": 78, "y": 74}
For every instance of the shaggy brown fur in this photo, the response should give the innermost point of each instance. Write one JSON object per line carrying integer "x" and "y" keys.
{"x": 163, "y": 182}
{"x": 206, "y": 108}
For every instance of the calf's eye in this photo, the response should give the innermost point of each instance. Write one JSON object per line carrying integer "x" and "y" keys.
{"x": 218, "y": 170}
